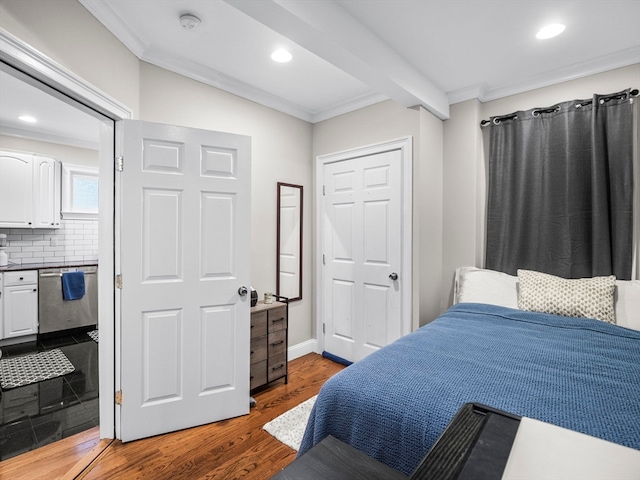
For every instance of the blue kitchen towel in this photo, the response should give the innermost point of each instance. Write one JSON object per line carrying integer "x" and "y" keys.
{"x": 73, "y": 285}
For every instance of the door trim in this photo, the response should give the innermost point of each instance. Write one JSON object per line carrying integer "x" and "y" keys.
{"x": 27, "y": 59}
{"x": 405, "y": 145}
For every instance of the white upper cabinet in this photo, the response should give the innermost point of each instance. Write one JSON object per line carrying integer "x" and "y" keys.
{"x": 16, "y": 190}
{"x": 29, "y": 191}
{"x": 46, "y": 192}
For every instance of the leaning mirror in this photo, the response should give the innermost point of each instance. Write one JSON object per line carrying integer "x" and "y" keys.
{"x": 289, "y": 242}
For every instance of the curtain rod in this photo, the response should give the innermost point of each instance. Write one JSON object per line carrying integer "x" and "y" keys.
{"x": 484, "y": 123}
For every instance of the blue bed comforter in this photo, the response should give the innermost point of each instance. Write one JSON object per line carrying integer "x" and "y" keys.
{"x": 577, "y": 373}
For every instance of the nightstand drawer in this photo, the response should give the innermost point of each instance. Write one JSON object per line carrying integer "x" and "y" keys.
{"x": 258, "y": 349}
{"x": 258, "y": 324}
{"x": 277, "y": 319}
{"x": 277, "y": 343}
{"x": 277, "y": 367}
{"x": 258, "y": 375}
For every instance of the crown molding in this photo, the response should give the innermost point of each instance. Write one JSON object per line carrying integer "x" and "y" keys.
{"x": 605, "y": 63}
{"x": 49, "y": 138}
{"x": 24, "y": 57}
{"x": 350, "y": 105}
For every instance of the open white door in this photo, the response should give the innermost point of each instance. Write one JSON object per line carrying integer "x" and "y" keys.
{"x": 364, "y": 271}
{"x": 184, "y": 242}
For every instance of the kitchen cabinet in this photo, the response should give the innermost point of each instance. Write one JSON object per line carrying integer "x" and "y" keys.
{"x": 20, "y": 304}
{"x": 29, "y": 191}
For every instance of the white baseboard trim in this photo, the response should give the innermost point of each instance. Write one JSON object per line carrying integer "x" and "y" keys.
{"x": 297, "y": 351}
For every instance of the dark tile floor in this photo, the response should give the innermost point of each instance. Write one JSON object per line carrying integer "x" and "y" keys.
{"x": 41, "y": 413}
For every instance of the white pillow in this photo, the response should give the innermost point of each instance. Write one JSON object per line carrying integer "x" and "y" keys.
{"x": 478, "y": 285}
{"x": 628, "y": 303}
{"x": 496, "y": 288}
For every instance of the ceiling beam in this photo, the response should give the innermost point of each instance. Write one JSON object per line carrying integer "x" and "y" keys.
{"x": 329, "y": 32}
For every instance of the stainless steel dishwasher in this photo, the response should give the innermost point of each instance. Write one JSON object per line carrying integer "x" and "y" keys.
{"x": 57, "y": 314}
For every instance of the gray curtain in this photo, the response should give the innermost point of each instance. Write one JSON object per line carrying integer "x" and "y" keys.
{"x": 560, "y": 195}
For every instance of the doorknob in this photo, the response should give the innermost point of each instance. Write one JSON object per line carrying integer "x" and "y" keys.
{"x": 393, "y": 276}
{"x": 242, "y": 291}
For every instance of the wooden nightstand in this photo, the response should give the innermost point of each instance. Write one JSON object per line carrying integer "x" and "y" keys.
{"x": 269, "y": 339}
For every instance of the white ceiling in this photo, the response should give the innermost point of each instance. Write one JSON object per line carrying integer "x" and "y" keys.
{"x": 57, "y": 121}
{"x": 351, "y": 53}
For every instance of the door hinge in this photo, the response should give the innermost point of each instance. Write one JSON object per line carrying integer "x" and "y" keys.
{"x": 323, "y": 259}
{"x": 323, "y": 192}
{"x": 119, "y": 397}
{"x": 119, "y": 281}
{"x": 120, "y": 164}
{"x": 323, "y": 328}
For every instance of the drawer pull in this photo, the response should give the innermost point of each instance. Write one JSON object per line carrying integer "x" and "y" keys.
{"x": 273, "y": 369}
{"x": 277, "y": 343}
{"x": 277, "y": 320}
{"x": 252, "y": 352}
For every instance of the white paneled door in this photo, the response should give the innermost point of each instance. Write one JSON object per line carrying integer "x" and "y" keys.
{"x": 184, "y": 245}
{"x": 362, "y": 246}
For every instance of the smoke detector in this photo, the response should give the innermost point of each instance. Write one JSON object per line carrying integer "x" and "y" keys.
{"x": 189, "y": 22}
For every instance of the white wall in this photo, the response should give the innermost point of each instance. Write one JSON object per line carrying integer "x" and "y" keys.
{"x": 68, "y": 34}
{"x": 465, "y": 161}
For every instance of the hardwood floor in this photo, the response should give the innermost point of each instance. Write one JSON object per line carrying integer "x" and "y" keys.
{"x": 232, "y": 449}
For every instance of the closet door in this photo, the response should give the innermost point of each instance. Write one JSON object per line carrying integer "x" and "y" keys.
{"x": 184, "y": 247}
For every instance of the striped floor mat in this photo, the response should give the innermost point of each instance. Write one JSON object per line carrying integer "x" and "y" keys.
{"x": 36, "y": 367}
{"x": 94, "y": 335}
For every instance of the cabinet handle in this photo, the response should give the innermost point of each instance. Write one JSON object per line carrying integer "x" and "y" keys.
{"x": 35, "y": 289}
{"x": 277, "y": 320}
{"x": 273, "y": 369}
{"x": 21, "y": 278}
{"x": 277, "y": 343}
{"x": 252, "y": 352}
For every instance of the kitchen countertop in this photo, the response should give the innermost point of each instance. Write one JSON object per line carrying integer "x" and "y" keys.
{"x": 42, "y": 266}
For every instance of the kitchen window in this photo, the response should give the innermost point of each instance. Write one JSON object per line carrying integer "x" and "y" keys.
{"x": 79, "y": 192}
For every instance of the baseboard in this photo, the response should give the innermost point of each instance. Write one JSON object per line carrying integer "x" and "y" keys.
{"x": 297, "y": 351}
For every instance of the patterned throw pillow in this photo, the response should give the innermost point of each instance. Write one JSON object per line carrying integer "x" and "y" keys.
{"x": 583, "y": 297}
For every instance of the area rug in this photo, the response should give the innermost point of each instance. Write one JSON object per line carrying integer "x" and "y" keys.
{"x": 94, "y": 335}
{"x": 36, "y": 367}
{"x": 289, "y": 427}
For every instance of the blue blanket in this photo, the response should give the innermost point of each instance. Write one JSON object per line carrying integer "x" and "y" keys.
{"x": 578, "y": 373}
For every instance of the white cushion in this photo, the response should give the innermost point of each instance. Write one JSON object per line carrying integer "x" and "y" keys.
{"x": 628, "y": 303}
{"x": 496, "y": 288}
{"x": 478, "y": 285}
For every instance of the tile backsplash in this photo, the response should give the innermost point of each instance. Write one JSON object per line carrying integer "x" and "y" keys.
{"x": 74, "y": 241}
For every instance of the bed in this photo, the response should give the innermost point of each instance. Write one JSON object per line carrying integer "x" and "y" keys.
{"x": 576, "y": 372}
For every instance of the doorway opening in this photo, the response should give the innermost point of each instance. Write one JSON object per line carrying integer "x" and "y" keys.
{"x": 38, "y": 71}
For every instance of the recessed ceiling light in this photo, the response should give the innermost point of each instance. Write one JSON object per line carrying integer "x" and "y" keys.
{"x": 27, "y": 118}
{"x": 550, "y": 31}
{"x": 281, "y": 56}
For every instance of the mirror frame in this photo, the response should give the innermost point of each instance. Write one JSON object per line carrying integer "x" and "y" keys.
{"x": 278, "y": 236}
